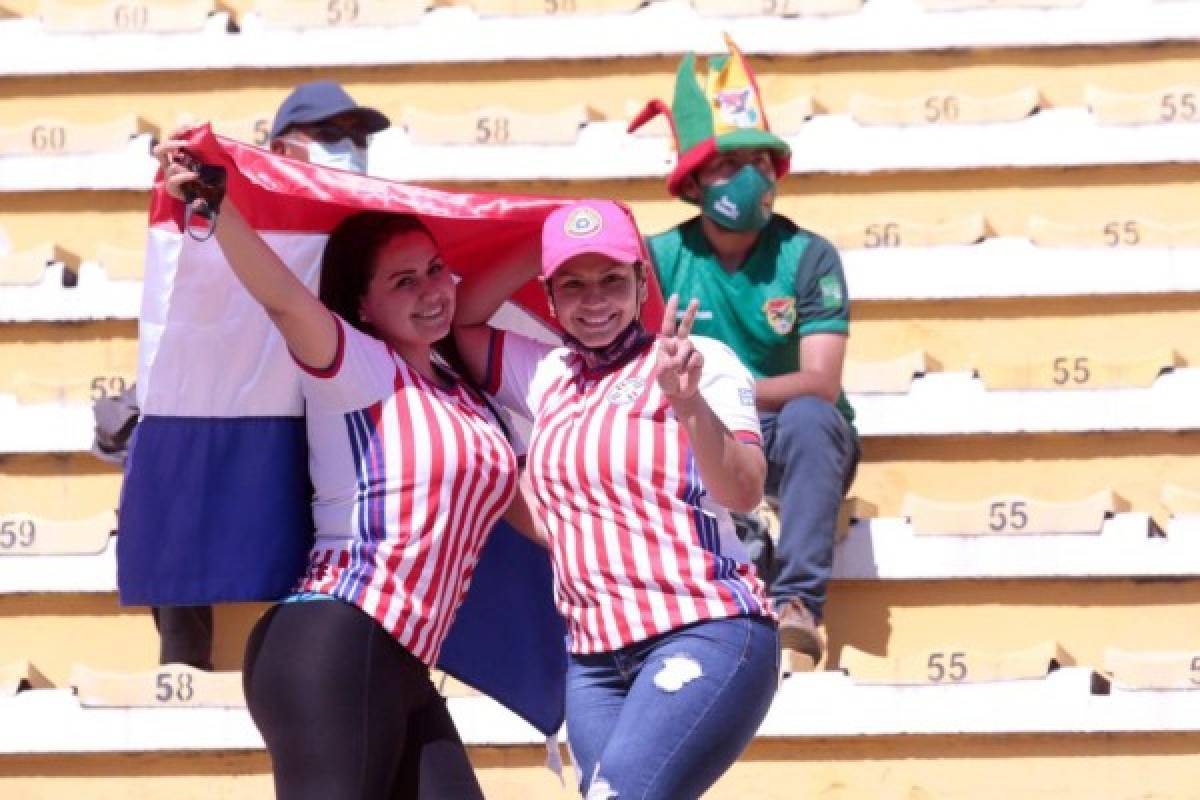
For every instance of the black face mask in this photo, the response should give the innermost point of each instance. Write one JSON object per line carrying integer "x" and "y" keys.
{"x": 618, "y": 351}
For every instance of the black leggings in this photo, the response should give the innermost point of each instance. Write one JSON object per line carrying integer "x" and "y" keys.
{"x": 347, "y": 713}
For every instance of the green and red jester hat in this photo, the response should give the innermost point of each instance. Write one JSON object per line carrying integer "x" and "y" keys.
{"x": 729, "y": 115}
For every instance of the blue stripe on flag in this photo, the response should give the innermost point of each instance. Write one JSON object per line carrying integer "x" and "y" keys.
{"x": 509, "y": 615}
{"x": 214, "y": 510}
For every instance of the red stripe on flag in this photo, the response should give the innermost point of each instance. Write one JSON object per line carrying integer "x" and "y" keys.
{"x": 473, "y": 230}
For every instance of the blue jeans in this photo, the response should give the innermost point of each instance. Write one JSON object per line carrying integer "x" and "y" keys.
{"x": 812, "y": 455}
{"x": 665, "y": 718}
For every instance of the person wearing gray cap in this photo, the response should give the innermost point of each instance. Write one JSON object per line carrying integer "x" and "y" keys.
{"x": 321, "y": 124}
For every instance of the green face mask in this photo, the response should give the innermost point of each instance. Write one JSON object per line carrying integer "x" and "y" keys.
{"x": 737, "y": 204}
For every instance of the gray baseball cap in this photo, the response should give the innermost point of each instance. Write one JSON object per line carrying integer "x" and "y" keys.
{"x": 320, "y": 100}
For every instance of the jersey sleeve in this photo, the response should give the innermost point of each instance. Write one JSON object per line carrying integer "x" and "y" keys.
{"x": 822, "y": 302}
{"x": 728, "y": 388}
{"x": 512, "y": 366}
{"x": 362, "y": 372}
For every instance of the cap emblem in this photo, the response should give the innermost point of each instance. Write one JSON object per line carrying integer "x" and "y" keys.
{"x": 583, "y": 222}
{"x": 737, "y": 108}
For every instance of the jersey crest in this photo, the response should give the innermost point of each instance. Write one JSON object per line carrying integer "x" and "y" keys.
{"x": 626, "y": 391}
{"x": 781, "y": 314}
{"x": 583, "y": 222}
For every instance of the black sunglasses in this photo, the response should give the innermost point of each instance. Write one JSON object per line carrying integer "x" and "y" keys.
{"x": 330, "y": 132}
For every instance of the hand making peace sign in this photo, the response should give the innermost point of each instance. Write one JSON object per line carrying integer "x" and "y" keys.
{"x": 678, "y": 363}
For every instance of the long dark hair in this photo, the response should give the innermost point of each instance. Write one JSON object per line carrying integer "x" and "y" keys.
{"x": 349, "y": 259}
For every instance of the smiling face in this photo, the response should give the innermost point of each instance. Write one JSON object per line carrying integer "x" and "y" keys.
{"x": 409, "y": 300}
{"x": 595, "y": 298}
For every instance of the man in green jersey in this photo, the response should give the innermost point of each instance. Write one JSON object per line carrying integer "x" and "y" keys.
{"x": 775, "y": 293}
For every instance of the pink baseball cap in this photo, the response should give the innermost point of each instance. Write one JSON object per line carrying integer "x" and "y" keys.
{"x": 589, "y": 226}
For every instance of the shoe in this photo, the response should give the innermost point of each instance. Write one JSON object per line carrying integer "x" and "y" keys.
{"x": 798, "y": 629}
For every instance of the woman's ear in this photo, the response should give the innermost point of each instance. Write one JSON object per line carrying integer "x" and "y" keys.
{"x": 642, "y": 283}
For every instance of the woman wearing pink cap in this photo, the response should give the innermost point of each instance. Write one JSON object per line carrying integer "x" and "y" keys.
{"x": 640, "y": 448}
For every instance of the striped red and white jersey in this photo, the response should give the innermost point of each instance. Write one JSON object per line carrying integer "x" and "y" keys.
{"x": 409, "y": 478}
{"x": 638, "y": 547}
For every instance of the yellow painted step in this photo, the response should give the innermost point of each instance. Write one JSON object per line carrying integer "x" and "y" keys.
{"x": 27, "y": 267}
{"x": 953, "y": 664}
{"x": 1009, "y": 514}
{"x": 853, "y": 509}
{"x": 252, "y": 129}
{"x": 776, "y": 8}
{"x": 789, "y": 117}
{"x": 30, "y": 535}
{"x": 1077, "y": 370}
{"x": 1059, "y": 73}
{"x": 121, "y": 264}
{"x": 57, "y": 631}
{"x": 1178, "y": 103}
{"x": 969, "y": 5}
{"x": 944, "y": 107}
{"x": 1135, "y": 465}
{"x": 967, "y": 229}
{"x": 1153, "y": 670}
{"x": 496, "y": 125}
{"x": 124, "y": 16}
{"x": 339, "y": 13}
{"x": 1113, "y": 232}
{"x": 894, "y": 376}
{"x": 72, "y": 364}
{"x": 523, "y": 8}
{"x": 19, "y": 676}
{"x": 451, "y": 687}
{"x": 107, "y": 380}
{"x": 1085, "y": 616}
{"x": 1179, "y": 500}
{"x": 58, "y": 486}
{"x": 972, "y": 335}
{"x": 922, "y": 767}
{"x": 793, "y": 661}
{"x": 169, "y": 686}
{"x": 50, "y": 136}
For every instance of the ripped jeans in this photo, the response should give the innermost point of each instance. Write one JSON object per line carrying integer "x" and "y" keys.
{"x": 663, "y": 719}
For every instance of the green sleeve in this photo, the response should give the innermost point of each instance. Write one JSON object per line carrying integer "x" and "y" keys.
{"x": 822, "y": 302}
{"x": 648, "y": 241}
{"x": 664, "y": 249}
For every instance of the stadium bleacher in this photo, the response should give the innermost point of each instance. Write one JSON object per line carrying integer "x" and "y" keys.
{"x": 1011, "y": 184}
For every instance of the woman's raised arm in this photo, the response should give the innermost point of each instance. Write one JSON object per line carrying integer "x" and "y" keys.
{"x": 306, "y": 325}
{"x": 479, "y": 296}
{"x": 733, "y": 472}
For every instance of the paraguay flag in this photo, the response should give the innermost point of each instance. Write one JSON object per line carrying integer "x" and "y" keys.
{"x": 216, "y": 501}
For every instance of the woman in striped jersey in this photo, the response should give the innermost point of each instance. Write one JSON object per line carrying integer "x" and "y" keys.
{"x": 639, "y": 448}
{"x": 410, "y": 473}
